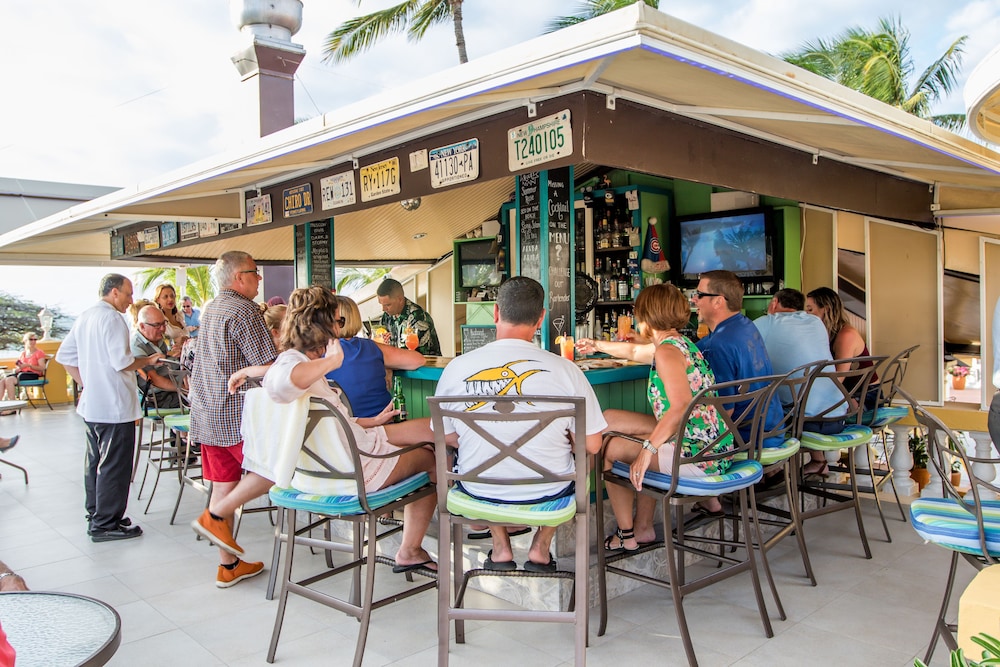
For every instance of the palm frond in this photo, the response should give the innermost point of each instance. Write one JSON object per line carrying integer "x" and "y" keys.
{"x": 360, "y": 33}
{"x": 428, "y": 15}
{"x": 590, "y": 9}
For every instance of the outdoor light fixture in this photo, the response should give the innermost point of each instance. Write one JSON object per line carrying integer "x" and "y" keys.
{"x": 419, "y": 235}
{"x": 410, "y": 204}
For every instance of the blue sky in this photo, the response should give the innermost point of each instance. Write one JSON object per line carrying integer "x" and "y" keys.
{"x": 109, "y": 92}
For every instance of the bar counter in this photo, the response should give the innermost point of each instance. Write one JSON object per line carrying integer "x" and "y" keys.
{"x": 617, "y": 384}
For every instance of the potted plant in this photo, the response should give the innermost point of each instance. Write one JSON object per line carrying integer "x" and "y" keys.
{"x": 956, "y": 473}
{"x": 918, "y": 448}
{"x": 958, "y": 374}
{"x": 991, "y": 653}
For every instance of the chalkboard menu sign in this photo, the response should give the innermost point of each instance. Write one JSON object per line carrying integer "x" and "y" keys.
{"x": 301, "y": 257}
{"x": 474, "y": 337}
{"x": 530, "y": 219}
{"x": 560, "y": 274}
{"x": 321, "y": 253}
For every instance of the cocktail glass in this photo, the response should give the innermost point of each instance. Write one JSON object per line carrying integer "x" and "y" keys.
{"x": 412, "y": 340}
{"x": 568, "y": 347}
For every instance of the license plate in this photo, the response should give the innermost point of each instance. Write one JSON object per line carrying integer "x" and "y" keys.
{"x": 338, "y": 190}
{"x": 380, "y": 179}
{"x": 456, "y": 163}
{"x": 541, "y": 140}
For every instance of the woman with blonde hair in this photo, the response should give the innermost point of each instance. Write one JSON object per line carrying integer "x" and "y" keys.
{"x": 166, "y": 298}
{"x": 363, "y": 375}
{"x": 30, "y": 366}
{"x": 310, "y": 338}
{"x": 677, "y": 374}
{"x": 273, "y": 317}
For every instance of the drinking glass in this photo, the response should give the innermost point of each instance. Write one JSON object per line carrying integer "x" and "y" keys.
{"x": 567, "y": 347}
{"x": 412, "y": 340}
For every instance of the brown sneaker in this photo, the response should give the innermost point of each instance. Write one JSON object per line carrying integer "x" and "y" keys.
{"x": 217, "y": 531}
{"x": 243, "y": 570}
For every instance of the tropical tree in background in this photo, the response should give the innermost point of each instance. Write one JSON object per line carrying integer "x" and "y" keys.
{"x": 350, "y": 279}
{"x": 199, "y": 282}
{"x": 589, "y": 9}
{"x": 416, "y": 17}
{"x": 18, "y": 316}
{"x": 878, "y": 63}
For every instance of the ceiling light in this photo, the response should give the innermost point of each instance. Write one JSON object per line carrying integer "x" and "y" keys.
{"x": 419, "y": 235}
{"x": 410, "y": 204}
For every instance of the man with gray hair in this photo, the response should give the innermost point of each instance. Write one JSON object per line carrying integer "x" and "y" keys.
{"x": 147, "y": 339}
{"x": 400, "y": 314}
{"x": 233, "y": 336}
{"x": 96, "y": 354}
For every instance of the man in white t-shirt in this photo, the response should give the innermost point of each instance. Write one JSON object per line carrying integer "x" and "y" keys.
{"x": 511, "y": 365}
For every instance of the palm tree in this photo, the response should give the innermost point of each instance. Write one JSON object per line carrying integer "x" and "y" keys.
{"x": 878, "y": 63}
{"x": 350, "y": 279}
{"x": 414, "y": 17}
{"x": 589, "y": 9}
{"x": 199, "y": 281}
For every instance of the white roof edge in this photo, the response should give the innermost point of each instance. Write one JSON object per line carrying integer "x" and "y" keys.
{"x": 983, "y": 86}
{"x": 601, "y": 37}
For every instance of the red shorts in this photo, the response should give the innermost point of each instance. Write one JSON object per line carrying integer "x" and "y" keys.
{"x": 222, "y": 464}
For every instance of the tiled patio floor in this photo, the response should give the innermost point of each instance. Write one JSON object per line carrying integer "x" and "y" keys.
{"x": 863, "y": 612}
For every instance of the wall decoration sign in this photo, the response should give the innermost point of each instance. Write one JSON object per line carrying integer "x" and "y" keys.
{"x": 456, "y": 163}
{"x": 559, "y": 197}
{"x": 168, "y": 233}
{"x": 226, "y": 227}
{"x": 117, "y": 245}
{"x": 151, "y": 238}
{"x": 321, "y": 253}
{"x": 380, "y": 179}
{"x": 541, "y": 140}
{"x": 337, "y": 190}
{"x": 259, "y": 210}
{"x": 301, "y": 257}
{"x": 133, "y": 244}
{"x": 208, "y": 229}
{"x": 529, "y": 229}
{"x": 189, "y": 231}
{"x": 297, "y": 201}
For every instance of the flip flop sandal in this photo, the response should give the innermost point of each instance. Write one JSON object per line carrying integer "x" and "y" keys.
{"x": 705, "y": 512}
{"x": 501, "y": 565}
{"x": 621, "y": 536}
{"x": 486, "y": 534}
{"x": 532, "y": 566}
{"x": 401, "y": 569}
{"x": 10, "y": 445}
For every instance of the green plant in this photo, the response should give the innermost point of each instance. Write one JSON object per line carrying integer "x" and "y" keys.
{"x": 991, "y": 654}
{"x": 956, "y": 465}
{"x": 918, "y": 448}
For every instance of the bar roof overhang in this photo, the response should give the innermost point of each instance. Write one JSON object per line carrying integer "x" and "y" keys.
{"x": 656, "y": 94}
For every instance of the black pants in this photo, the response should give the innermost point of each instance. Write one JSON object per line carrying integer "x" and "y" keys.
{"x": 993, "y": 420}
{"x": 107, "y": 472}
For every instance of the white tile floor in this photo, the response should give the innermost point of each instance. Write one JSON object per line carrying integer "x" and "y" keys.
{"x": 863, "y": 612}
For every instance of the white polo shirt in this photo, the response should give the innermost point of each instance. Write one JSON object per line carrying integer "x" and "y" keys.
{"x": 98, "y": 344}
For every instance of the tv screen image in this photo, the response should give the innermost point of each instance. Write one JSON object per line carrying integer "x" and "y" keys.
{"x": 480, "y": 275}
{"x": 739, "y": 243}
{"x": 477, "y": 264}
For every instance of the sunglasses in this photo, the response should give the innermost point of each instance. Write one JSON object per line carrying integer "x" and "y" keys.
{"x": 341, "y": 321}
{"x": 702, "y": 295}
{"x": 32, "y": 339}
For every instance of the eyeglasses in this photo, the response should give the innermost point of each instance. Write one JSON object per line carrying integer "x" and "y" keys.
{"x": 253, "y": 271}
{"x": 32, "y": 338}
{"x": 160, "y": 325}
{"x": 701, "y": 295}
{"x": 341, "y": 321}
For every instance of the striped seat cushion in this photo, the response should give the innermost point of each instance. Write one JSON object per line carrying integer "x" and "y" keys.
{"x": 549, "y": 513}
{"x": 884, "y": 416}
{"x": 851, "y": 436}
{"x": 178, "y": 422}
{"x": 345, "y": 505}
{"x": 739, "y": 476}
{"x": 160, "y": 413}
{"x": 771, "y": 455}
{"x": 945, "y": 522}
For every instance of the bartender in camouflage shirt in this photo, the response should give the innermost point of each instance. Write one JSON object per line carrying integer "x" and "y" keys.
{"x": 399, "y": 314}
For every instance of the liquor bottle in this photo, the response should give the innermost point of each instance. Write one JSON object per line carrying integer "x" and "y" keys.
{"x": 623, "y": 284}
{"x": 612, "y": 287}
{"x": 604, "y": 238}
{"x": 606, "y": 328}
{"x": 606, "y": 287}
{"x": 398, "y": 399}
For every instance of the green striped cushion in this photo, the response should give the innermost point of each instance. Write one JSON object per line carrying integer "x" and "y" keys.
{"x": 851, "y": 436}
{"x": 345, "y": 505}
{"x": 884, "y": 416}
{"x": 178, "y": 422}
{"x": 740, "y": 475}
{"x": 771, "y": 455}
{"x": 945, "y": 522}
{"x": 548, "y": 513}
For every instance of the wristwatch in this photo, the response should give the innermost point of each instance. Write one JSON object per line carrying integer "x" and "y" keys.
{"x": 647, "y": 445}
{"x": 8, "y": 574}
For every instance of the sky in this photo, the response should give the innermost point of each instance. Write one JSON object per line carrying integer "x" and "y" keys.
{"x": 115, "y": 92}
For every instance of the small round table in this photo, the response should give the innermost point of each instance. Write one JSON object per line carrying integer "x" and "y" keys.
{"x": 59, "y": 629}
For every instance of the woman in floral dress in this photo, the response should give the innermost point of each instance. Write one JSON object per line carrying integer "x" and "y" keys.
{"x": 677, "y": 374}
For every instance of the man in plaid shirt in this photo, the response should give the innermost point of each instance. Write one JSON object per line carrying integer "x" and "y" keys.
{"x": 233, "y": 335}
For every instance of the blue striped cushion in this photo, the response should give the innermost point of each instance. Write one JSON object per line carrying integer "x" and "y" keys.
{"x": 852, "y": 436}
{"x": 345, "y": 505}
{"x": 771, "y": 455}
{"x": 178, "y": 422}
{"x": 739, "y": 476}
{"x": 550, "y": 513}
{"x": 946, "y": 523}
{"x": 884, "y": 416}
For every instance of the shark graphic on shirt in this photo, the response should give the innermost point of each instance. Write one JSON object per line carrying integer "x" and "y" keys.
{"x": 497, "y": 381}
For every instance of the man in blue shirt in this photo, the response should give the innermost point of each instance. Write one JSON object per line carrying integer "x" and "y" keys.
{"x": 733, "y": 348}
{"x": 192, "y": 316}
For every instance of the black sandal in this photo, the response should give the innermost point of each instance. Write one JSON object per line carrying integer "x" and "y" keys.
{"x": 621, "y": 536}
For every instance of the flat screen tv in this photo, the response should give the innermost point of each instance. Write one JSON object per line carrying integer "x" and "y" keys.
{"x": 739, "y": 241}
{"x": 477, "y": 265}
